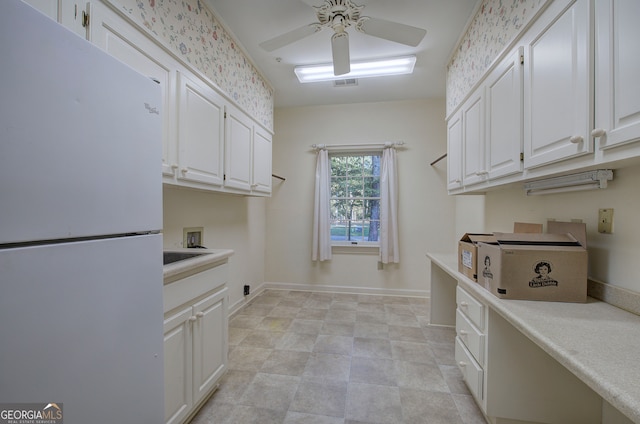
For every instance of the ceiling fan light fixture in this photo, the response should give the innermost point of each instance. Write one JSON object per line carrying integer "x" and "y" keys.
{"x": 362, "y": 69}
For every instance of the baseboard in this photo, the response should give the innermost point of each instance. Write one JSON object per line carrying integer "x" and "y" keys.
{"x": 240, "y": 304}
{"x": 346, "y": 289}
{"x": 237, "y": 306}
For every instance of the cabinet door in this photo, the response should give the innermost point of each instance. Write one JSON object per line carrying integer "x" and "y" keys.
{"x": 473, "y": 147}
{"x": 177, "y": 366}
{"x": 67, "y": 12}
{"x": 454, "y": 152}
{"x": 238, "y": 142}
{"x": 200, "y": 132}
{"x": 118, "y": 38}
{"x": 504, "y": 117}
{"x": 209, "y": 342}
{"x": 557, "y": 99}
{"x": 261, "y": 161}
{"x": 617, "y": 72}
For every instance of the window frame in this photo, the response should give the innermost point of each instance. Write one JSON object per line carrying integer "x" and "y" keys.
{"x": 363, "y": 245}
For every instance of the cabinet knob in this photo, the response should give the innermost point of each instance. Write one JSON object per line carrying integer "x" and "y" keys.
{"x": 184, "y": 170}
{"x": 598, "y": 132}
{"x": 576, "y": 139}
{"x": 174, "y": 166}
{"x": 463, "y": 333}
{"x": 462, "y": 364}
{"x": 200, "y": 314}
{"x": 463, "y": 304}
{"x": 193, "y": 319}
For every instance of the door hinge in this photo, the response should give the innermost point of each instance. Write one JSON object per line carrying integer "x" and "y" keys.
{"x": 224, "y": 177}
{"x": 522, "y": 59}
{"x": 85, "y": 19}
{"x": 521, "y": 157}
{"x": 225, "y": 115}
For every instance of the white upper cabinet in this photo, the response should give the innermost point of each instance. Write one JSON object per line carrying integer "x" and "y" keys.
{"x": 557, "y": 84}
{"x": 617, "y": 76}
{"x": 198, "y": 145}
{"x": 262, "y": 150}
{"x": 116, "y": 37}
{"x": 454, "y": 151}
{"x": 504, "y": 117}
{"x": 200, "y": 132}
{"x": 238, "y": 143}
{"x": 69, "y": 13}
{"x": 473, "y": 142}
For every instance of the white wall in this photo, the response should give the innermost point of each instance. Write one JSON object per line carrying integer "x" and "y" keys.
{"x": 613, "y": 258}
{"x": 427, "y": 214}
{"x": 230, "y": 222}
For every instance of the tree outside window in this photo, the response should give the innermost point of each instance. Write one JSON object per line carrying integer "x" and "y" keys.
{"x": 355, "y": 198}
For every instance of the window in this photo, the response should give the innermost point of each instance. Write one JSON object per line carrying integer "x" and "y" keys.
{"x": 355, "y": 198}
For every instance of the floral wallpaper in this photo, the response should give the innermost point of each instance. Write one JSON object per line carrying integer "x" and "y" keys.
{"x": 495, "y": 25}
{"x": 191, "y": 30}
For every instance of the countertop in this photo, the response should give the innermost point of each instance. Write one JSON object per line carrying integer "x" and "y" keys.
{"x": 597, "y": 342}
{"x": 180, "y": 269}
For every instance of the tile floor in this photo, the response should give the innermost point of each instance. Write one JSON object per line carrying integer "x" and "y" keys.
{"x": 303, "y": 357}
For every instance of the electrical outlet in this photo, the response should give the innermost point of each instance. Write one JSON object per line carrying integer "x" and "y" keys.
{"x": 605, "y": 221}
{"x": 247, "y": 289}
{"x": 192, "y": 237}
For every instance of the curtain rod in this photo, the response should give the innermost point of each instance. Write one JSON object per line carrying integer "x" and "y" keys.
{"x": 343, "y": 147}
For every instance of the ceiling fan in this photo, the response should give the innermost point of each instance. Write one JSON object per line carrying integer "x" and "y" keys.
{"x": 339, "y": 15}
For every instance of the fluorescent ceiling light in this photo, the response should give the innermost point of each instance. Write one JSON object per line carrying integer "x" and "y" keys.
{"x": 590, "y": 180}
{"x": 371, "y": 68}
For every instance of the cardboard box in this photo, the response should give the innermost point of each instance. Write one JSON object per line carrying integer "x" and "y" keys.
{"x": 468, "y": 253}
{"x": 576, "y": 229}
{"x": 551, "y": 267}
{"x": 526, "y": 227}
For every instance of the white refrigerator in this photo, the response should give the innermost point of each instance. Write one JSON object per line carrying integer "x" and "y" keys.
{"x": 81, "y": 316}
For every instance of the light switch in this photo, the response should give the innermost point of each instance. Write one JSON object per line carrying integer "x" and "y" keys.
{"x": 605, "y": 221}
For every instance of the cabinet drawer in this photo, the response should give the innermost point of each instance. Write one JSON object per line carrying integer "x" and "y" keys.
{"x": 472, "y": 373}
{"x": 470, "y": 307}
{"x": 472, "y": 338}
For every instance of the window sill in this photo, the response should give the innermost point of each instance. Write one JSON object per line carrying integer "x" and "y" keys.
{"x": 355, "y": 249}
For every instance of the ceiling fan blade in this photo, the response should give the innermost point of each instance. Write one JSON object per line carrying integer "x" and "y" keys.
{"x": 290, "y": 37}
{"x": 393, "y": 31}
{"x": 340, "y": 51}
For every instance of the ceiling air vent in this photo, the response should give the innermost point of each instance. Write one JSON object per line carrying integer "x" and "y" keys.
{"x": 347, "y": 82}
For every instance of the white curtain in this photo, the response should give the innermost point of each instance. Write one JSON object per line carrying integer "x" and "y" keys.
{"x": 389, "y": 208}
{"x": 321, "y": 249}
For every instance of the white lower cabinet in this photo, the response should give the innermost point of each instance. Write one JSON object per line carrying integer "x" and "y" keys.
{"x": 195, "y": 341}
{"x": 470, "y": 342}
{"x": 471, "y": 370}
{"x": 510, "y": 377}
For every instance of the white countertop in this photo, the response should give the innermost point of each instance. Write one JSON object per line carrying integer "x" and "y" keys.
{"x": 596, "y": 341}
{"x": 180, "y": 269}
